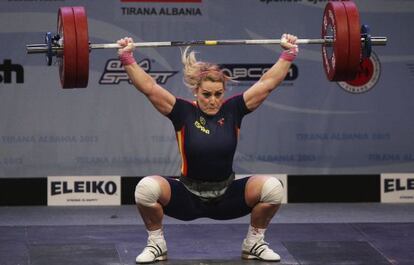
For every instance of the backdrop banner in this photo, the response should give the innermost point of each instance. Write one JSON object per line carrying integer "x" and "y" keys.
{"x": 307, "y": 126}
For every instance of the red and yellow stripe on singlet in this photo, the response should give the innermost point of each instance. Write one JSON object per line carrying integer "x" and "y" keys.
{"x": 180, "y": 141}
{"x": 237, "y": 132}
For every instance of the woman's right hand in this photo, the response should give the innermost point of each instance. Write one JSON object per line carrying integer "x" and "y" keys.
{"x": 126, "y": 45}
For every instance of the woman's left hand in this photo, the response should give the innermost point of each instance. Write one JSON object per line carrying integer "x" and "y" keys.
{"x": 288, "y": 41}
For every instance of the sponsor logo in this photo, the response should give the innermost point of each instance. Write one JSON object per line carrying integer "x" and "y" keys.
{"x": 396, "y": 184}
{"x": 253, "y": 72}
{"x": 367, "y": 77}
{"x": 200, "y": 125}
{"x": 84, "y": 190}
{"x": 397, "y": 187}
{"x": 64, "y": 187}
{"x": 202, "y": 121}
{"x": 7, "y": 69}
{"x": 115, "y": 73}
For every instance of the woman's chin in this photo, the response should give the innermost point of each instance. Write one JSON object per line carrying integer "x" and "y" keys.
{"x": 211, "y": 111}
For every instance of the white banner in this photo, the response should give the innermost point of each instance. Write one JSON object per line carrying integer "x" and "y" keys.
{"x": 83, "y": 190}
{"x": 397, "y": 187}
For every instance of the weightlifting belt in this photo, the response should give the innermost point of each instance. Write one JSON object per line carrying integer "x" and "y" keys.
{"x": 207, "y": 190}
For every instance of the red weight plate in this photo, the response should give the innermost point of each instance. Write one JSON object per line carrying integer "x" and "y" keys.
{"x": 354, "y": 29}
{"x": 67, "y": 59}
{"x": 335, "y": 57}
{"x": 82, "y": 43}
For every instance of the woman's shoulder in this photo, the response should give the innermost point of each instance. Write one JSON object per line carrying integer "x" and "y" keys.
{"x": 185, "y": 103}
{"x": 234, "y": 99}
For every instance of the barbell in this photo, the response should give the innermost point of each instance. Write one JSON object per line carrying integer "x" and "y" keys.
{"x": 345, "y": 43}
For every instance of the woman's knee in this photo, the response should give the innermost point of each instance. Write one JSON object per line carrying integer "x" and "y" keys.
{"x": 266, "y": 189}
{"x": 272, "y": 191}
{"x": 151, "y": 190}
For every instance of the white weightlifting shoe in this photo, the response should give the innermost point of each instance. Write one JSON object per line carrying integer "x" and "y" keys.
{"x": 259, "y": 250}
{"x": 152, "y": 252}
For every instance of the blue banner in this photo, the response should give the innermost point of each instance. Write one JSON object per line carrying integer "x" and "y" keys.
{"x": 307, "y": 126}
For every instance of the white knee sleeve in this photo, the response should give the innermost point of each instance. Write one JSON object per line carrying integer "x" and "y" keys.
{"x": 272, "y": 191}
{"x": 147, "y": 192}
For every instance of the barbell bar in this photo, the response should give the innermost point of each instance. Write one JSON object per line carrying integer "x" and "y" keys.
{"x": 344, "y": 43}
{"x": 43, "y": 48}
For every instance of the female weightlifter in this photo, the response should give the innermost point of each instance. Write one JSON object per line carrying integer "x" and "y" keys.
{"x": 207, "y": 130}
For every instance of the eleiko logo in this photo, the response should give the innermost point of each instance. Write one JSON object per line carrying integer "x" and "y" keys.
{"x": 397, "y": 184}
{"x": 84, "y": 190}
{"x": 8, "y": 68}
{"x": 397, "y": 187}
{"x": 102, "y": 187}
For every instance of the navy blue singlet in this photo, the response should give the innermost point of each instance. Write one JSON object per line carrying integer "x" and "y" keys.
{"x": 207, "y": 143}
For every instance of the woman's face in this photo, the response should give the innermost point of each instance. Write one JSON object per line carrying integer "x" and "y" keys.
{"x": 210, "y": 96}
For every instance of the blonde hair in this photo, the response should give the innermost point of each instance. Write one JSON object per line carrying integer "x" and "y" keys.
{"x": 195, "y": 72}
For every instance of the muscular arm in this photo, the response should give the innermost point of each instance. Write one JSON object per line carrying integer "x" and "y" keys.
{"x": 256, "y": 94}
{"x": 161, "y": 98}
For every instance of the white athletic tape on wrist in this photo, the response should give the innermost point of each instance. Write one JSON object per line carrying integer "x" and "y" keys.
{"x": 147, "y": 192}
{"x": 272, "y": 191}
